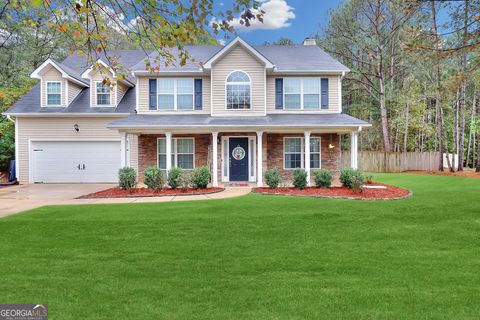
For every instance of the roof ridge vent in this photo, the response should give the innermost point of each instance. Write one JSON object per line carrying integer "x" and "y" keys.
{"x": 310, "y": 42}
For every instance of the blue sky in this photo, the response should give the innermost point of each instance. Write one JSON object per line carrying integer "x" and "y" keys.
{"x": 294, "y": 19}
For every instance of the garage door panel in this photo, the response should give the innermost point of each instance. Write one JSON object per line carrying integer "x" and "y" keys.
{"x": 59, "y": 161}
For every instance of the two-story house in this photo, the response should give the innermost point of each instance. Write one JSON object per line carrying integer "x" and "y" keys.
{"x": 244, "y": 110}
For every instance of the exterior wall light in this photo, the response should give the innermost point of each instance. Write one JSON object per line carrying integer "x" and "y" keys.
{"x": 75, "y": 126}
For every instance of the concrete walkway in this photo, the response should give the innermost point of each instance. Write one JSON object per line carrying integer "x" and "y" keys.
{"x": 25, "y": 197}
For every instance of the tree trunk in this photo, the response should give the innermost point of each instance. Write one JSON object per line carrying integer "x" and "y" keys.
{"x": 383, "y": 109}
{"x": 405, "y": 134}
{"x": 470, "y": 135}
{"x": 463, "y": 90}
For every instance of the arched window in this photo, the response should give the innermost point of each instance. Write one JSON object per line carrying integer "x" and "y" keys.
{"x": 238, "y": 90}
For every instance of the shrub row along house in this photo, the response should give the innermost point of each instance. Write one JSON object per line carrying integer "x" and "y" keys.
{"x": 245, "y": 109}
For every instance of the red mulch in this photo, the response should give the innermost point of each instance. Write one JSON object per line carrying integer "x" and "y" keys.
{"x": 467, "y": 174}
{"x": 145, "y": 192}
{"x": 390, "y": 192}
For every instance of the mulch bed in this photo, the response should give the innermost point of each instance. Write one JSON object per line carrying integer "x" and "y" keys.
{"x": 467, "y": 174}
{"x": 391, "y": 192}
{"x": 145, "y": 192}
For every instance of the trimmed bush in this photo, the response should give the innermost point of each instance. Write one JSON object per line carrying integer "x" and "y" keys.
{"x": 185, "y": 180}
{"x": 127, "y": 178}
{"x": 323, "y": 178}
{"x": 299, "y": 178}
{"x": 154, "y": 178}
{"x": 174, "y": 176}
{"x": 352, "y": 178}
{"x": 273, "y": 178}
{"x": 201, "y": 177}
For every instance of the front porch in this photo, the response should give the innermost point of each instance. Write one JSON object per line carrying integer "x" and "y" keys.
{"x": 238, "y": 158}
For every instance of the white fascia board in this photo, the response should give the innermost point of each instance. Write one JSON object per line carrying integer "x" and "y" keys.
{"x": 209, "y": 62}
{"x": 86, "y": 73}
{"x": 300, "y": 72}
{"x": 36, "y": 73}
{"x": 198, "y": 72}
{"x": 259, "y": 127}
{"x": 73, "y": 114}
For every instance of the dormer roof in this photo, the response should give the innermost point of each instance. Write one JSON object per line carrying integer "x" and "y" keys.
{"x": 66, "y": 72}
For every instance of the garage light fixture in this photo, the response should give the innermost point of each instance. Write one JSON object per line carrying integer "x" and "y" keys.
{"x": 75, "y": 126}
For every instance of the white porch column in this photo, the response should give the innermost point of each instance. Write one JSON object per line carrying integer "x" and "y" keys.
{"x": 168, "y": 147}
{"x": 354, "y": 150}
{"x": 307, "y": 155}
{"x": 123, "y": 152}
{"x": 259, "y": 159}
{"x": 215, "y": 159}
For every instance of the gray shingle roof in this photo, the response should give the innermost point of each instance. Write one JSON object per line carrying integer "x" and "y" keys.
{"x": 285, "y": 58}
{"x": 30, "y": 103}
{"x": 272, "y": 120}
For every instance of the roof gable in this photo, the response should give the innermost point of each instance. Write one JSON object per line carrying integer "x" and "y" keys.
{"x": 64, "y": 71}
{"x": 238, "y": 41}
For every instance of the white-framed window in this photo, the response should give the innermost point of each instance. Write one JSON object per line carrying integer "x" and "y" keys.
{"x": 238, "y": 91}
{"x": 302, "y": 93}
{"x": 183, "y": 153}
{"x": 54, "y": 93}
{"x": 294, "y": 153}
{"x": 175, "y": 94}
{"x": 102, "y": 90}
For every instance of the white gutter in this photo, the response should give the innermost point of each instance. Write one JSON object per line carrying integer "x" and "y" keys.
{"x": 42, "y": 114}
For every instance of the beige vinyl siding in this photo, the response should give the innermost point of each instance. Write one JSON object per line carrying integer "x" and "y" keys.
{"x": 73, "y": 91}
{"x": 333, "y": 95}
{"x": 98, "y": 76}
{"x": 121, "y": 90}
{"x": 133, "y": 150}
{"x": 51, "y": 74}
{"x": 238, "y": 58}
{"x": 41, "y": 128}
{"x": 142, "y": 82}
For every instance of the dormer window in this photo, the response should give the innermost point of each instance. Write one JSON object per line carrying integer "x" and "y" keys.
{"x": 238, "y": 90}
{"x": 54, "y": 93}
{"x": 103, "y": 94}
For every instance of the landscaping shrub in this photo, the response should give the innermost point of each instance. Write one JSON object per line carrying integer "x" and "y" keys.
{"x": 323, "y": 178}
{"x": 127, "y": 178}
{"x": 201, "y": 177}
{"x": 352, "y": 178}
{"x": 273, "y": 178}
{"x": 185, "y": 180}
{"x": 174, "y": 176}
{"x": 154, "y": 178}
{"x": 300, "y": 178}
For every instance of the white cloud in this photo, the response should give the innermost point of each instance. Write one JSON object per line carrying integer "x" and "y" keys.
{"x": 277, "y": 15}
{"x": 221, "y": 42}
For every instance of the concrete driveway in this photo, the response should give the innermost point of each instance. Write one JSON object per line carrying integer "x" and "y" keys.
{"x": 29, "y": 196}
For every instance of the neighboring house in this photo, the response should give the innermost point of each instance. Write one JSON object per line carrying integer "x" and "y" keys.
{"x": 246, "y": 109}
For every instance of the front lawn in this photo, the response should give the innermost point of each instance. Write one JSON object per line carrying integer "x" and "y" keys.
{"x": 253, "y": 257}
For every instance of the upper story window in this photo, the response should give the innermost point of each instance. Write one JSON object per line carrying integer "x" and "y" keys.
{"x": 238, "y": 90}
{"x": 305, "y": 93}
{"x": 175, "y": 94}
{"x": 103, "y": 93}
{"x": 54, "y": 93}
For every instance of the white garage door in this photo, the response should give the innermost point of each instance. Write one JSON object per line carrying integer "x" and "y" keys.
{"x": 75, "y": 161}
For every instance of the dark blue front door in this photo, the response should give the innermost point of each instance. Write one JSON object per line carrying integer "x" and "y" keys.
{"x": 238, "y": 159}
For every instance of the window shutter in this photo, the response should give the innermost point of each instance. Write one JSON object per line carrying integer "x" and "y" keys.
{"x": 324, "y": 89}
{"x": 198, "y": 94}
{"x": 152, "y": 94}
{"x": 279, "y": 93}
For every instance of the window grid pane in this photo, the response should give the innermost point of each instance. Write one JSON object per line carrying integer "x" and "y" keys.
{"x": 293, "y": 153}
{"x": 53, "y": 99}
{"x": 166, "y": 101}
{"x": 166, "y": 86}
{"x": 185, "y": 101}
{"x": 103, "y": 99}
{"x": 53, "y": 87}
{"x": 292, "y": 101}
{"x": 238, "y": 91}
{"x": 103, "y": 88}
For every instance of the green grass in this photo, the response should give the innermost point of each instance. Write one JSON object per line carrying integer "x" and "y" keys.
{"x": 253, "y": 257}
